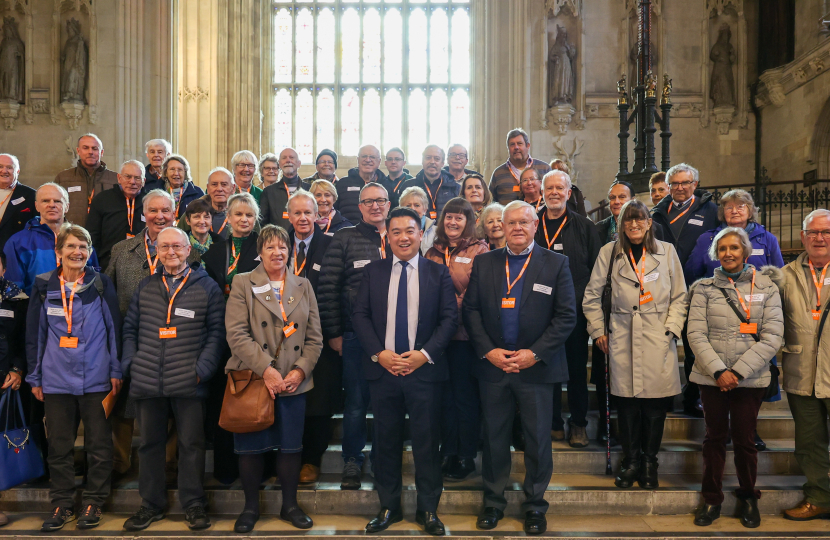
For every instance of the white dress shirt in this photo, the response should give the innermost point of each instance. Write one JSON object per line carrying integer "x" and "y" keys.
{"x": 413, "y": 291}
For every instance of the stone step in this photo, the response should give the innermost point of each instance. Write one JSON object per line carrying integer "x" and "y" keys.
{"x": 568, "y": 494}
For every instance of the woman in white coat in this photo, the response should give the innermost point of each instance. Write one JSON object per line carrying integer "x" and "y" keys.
{"x": 647, "y": 313}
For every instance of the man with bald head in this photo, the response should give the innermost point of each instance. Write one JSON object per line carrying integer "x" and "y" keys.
{"x": 17, "y": 201}
{"x": 87, "y": 179}
{"x": 457, "y": 159}
{"x": 220, "y": 187}
{"x": 348, "y": 188}
{"x": 274, "y": 198}
{"x": 117, "y": 213}
{"x": 439, "y": 185}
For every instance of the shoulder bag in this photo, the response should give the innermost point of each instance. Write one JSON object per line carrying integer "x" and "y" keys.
{"x": 20, "y": 458}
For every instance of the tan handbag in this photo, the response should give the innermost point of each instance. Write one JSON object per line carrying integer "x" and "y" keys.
{"x": 247, "y": 406}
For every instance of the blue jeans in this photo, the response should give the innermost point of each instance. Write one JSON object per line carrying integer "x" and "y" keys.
{"x": 356, "y": 393}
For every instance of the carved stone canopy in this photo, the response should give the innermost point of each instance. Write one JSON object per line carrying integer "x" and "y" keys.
{"x": 569, "y": 6}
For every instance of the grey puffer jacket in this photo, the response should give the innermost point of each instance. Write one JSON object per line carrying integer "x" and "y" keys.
{"x": 714, "y": 328}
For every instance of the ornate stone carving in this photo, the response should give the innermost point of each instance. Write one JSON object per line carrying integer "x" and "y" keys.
{"x": 569, "y": 157}
{"x": 193, "y": 94}
{"x": 571, "y": 6}
{"x": 722, "y": 55}
{"x": 561, "y": 115}
{"x": 800, "y": 75}
{"x": 74, "y": 64}
{"x": 723, "y": 117}
{"x": 12, "y": 63}
{"x": 561, "y": 75}
{"x": 73, "y": 111}
{"x": 9, "y": 111}
{"x": 771, "y": 90}
{"x": 817, "y": 64}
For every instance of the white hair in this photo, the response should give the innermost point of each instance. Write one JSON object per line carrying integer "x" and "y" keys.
{"x": 557, "y": 172}
{"x": 158, "y": 142}
{"x": 155, "y": 194}
{"x": 302, "y": 193}
{"x": 221, "y": 170}
{"x": 237, "y": 157}
{"x": 520, "y": 204}
{"x": 683, "y": 167}
{"x": 443, "y": 155}
{"x": 813, "y": 215}
{"x": 178, "y": 231}
{"x": 414, "y": 191}
{"x": 267, "y": 157}
{"x": 243, "y": 198}
{"x": 15, "y": 161}
{"x": 63, "y": 192}
{"x": 137, "y": 163}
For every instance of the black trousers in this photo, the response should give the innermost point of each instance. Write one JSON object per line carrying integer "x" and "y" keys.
{"x": 497, "y": 413}
{"x": 316, "y": 436}
{"x": 460, "y": 423}
{"x": 576, "y": 350}
{"x": 62, "y": 428}
{"x": 152, "y": 415}
{"x": 691, "y": 392}
{"x": 392, "y": 399}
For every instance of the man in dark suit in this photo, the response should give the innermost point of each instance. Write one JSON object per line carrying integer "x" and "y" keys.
{"x": 17, "y": 202}
{"x": 519, "y": 310}
{"x": 405, "y": 316}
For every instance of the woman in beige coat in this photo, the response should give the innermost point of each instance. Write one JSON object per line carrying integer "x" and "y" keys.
{"x": 647, "y": 312}
{"x": 273, "y": 329}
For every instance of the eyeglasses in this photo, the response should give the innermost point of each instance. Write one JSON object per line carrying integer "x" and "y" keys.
{"x": 674, "y": 185}
{"x": 397, "y": 159}
{"x": 371, "y": 202}
{"x": 458, "y": 155}
{"x": 327, "y": 162}
{"x": 73, "y": 247}
{"x": 270, "y": 169}
{"x": 522, "y": 224}
{"x": 639, "y": 221}
{"x": 735, "y": 208}
{"x": 168, "y": 247}
{"x": 369, "y": 156}
{"x": 812, "y": 235}
{"x": 246, "y": 165}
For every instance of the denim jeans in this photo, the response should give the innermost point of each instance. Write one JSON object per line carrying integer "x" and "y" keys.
{"x": 356, "y": 393}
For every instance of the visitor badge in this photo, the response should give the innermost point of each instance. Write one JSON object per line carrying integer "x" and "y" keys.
{"x": 698, "y": 222}
{"x": 517, "y": 189}
{"x": 759, "y": 252}
{"x": 433, "y": 215}
{"x": 69, "y": 342}
{"x": 754, "y": 297}
{"x": 544, "y": 289}
{"x": 185, "y": 313}
{"x": 167, "y": 333}
{"x": 315, "y": 267}
{"x": 558, "y": 247}
{"x": 646, "y": 298}
{"x": 361, "y": 264}
{"x": 353, "y": 188}
{"x": 55, "y": 311}
{"x": 18, "y": 201}
{"x": 262, "y": 289}
{"x": 463, "y": 260}
{"x": 508, "y": 303}
{"x": 749, "y": 328}
{"x": 651, "y": 277}
{"x": 289, "y": 329}
{"x": 816, "y": 315}
{"x": 7, "y": 313}
{"x": 827, "y": 281}
{"x": 258, "y": 258}
{"x": 143, "y": 218}
{"x": 73, "y": 189}
{"x": 285, "y": 215}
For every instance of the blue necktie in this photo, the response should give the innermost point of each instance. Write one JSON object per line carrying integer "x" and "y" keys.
{"x": 401, "y": 323}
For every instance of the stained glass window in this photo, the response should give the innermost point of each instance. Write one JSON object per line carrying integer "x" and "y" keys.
{"x": 382, "y": 72}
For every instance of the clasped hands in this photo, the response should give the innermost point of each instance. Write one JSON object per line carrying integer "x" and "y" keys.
{"x": 727, "y": 381}
{"x": 511, "y": 361}
{"x": 276, "y": 384}
{"x": 401, "y": 364}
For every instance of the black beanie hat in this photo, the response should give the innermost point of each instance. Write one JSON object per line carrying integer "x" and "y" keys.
{"x": 326, "y": 152}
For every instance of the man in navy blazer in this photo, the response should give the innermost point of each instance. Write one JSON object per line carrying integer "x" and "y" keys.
{"x": 405, "y": 316}
{"x": 519, "y": 310}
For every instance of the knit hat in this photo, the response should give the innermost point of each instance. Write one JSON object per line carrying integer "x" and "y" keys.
{"x": 326, "y": 152}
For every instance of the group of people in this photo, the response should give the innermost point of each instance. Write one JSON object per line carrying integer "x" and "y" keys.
{"x": 461, "y": 303}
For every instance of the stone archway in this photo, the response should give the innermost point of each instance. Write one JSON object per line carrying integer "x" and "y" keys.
{"x": 820, "y": 147}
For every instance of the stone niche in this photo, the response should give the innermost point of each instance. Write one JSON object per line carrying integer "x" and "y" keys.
{"x": 563, "y": 73}
{"x": 74, "y": 62}
{"x": 725, "y": 56}
{"x": 15, "y": 61}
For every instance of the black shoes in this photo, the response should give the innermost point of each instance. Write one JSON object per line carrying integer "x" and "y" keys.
{"x": 706, "y": 514}
{"x": 90, "y": 517}
{"x": 648, "y": 476}
{"x": 430, "y": 522}
{"x": 61, "y": 515}
{"x": 384, "y": 519}
{"x": 463, "y": 468}
{"x": 627, "y": 477}
{"x": 143, "y": 518}
{"x": 196, "y": 518}
{"x": 489, "y": 518}
{"x": 760, "y": 445}
{"x": 535, "y": 522}
{"x": 246, "y": 521}
{"x": 296, "y": 517}
{"x": 448, "y": 464}
{"x": 748, "y": 512}
{"x": 351, "y": 475}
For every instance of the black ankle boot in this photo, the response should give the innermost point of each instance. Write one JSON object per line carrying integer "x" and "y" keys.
{"x": 748, "y": 512}
{"x": 648, "y": 475}
{"x": 627, "y": 477}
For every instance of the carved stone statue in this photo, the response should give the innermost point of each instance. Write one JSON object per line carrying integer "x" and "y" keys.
{"x": 561, "y": 79}
{"x": 12, "y": 62}
{"x": 722, "y": 89}
{"x": 74, "y": 64}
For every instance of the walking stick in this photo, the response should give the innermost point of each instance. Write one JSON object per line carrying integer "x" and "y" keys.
{"x": 608, "y": 471}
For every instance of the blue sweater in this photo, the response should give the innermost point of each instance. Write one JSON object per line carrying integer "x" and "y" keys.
{"x": 510, "y": 316}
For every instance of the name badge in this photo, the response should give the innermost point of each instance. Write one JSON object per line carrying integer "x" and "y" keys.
{"x": 508, "y": 303}
{"x": 73, "y": 189}
{"x": 144, "y": 219}
{"x": 285, "y": 215}
{"x": 329, "y": 234}
{"x": 289, "y": 329}
{"x": 353, "y": 188}
{"x": 18, "y": 201}
{"x": 646, "y": 298}
{"x": 57, "y": 311}
{"x": 258, "y": 258}
{"x": 315, "y": 267}
{"x": 361, "y": 264}
{"x": 433, "y": 215}
{"x": 651, "y": 277}
{"x": 544, "y": 289}
{"x": 463, "y": 260}
{"x": 759, "y": 252}
{"x": 69, "y": 342}
{"x": 816, "y": 315}
{"x": 167, "y": 333}
{"x": 827, "y": 281}
{"x": 260, "y": 290}
{"x": 754, "y": 297}
{"x": 698, "y": 222}
{"x": 517, "y": 189}
{"x": 749, "y": 328}
{"x": 558, "y": 247}
{"x": 184, "y": 313}
{"x": 7, "y": 313}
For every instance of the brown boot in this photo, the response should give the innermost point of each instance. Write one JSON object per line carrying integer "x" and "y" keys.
{"x": 3, "y": 519}
{"x": 309, "y": 473}
{"x": 807, "y": 511}
{"x": 578, "y": 437}
{"x": 557, "y": 434}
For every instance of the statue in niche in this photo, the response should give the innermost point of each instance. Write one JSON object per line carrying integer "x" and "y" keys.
{"x": 722, "y": 89}
{"x": 74, "y": 64}
{"x": 11, "y": 62}
{"x": 561, "y": 79}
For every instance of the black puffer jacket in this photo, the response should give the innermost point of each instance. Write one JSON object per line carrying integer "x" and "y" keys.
{"x": 169, "y": 367}
{"x": 350, "y": 250}
{"x": 348, "y": 193}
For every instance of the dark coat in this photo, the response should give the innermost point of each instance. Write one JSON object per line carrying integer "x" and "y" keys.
{"x": 314, "y": 256}
{"x": 348, "y": 193}
{"x": 217, "y": 259}
{"x": 397, "y": 185}
{"x": 191, "y": 193}
{"x": 82, "y": 187}
{"x": 273, "y": 201}
{"x": 20, "y": 209}
{"x": 107, "y": 221}
{"x": 437, "y": 316}
{"x": 169, "y": 367}
{"x": 448, "y": 189}
{"x": 151, "y": 179}
{"x": 337, "y": 222}
{"x": 12, "y": 332}
{"x": 547, "y": 319}
{"x": 350, "y": 250}
{"x": 703, "y": 216}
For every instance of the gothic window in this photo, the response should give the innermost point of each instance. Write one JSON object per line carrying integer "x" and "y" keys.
{"x": 382, "y": 72}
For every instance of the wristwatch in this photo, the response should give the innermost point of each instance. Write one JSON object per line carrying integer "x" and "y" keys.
{"x": 376, "y": 357}
{"x": 536, "y": 357}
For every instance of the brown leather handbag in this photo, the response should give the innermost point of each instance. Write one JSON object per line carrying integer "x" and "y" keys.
{"x": 247, "y": 406}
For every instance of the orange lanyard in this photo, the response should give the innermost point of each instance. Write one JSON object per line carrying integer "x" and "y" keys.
{"x": 383, "y": 245}
{"x": 331, "y": 216}
{"x": 298, "y": 271}
{"x": 235, "y": 256}
{"x": 152, "y": 263}
{"x": 223, "y": 223}
{"x": 176, "y": 202}
{"x": 403, "y": 177}
{"x": 818, "y": 282}
{"x": 67, "y": 309}
{"x": 240, "y": 189}
{"x": 172, "y": 298}
{"x": 89, "y": 200}
{"x": 751, "y": 292}
{"x": 681, "y": 214}
{"x": 507, "y": 270}
{"x": 431, "y": 199}
{"x": 540, "y": 203}
{"x": 287, "y": 191}
{"x": 545, "y": 227}
{"x": 641, "y": 273}
{"x": 282, "y": 309}
{"x": 130, "y": 214}
{"x": 447, "y": 257}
